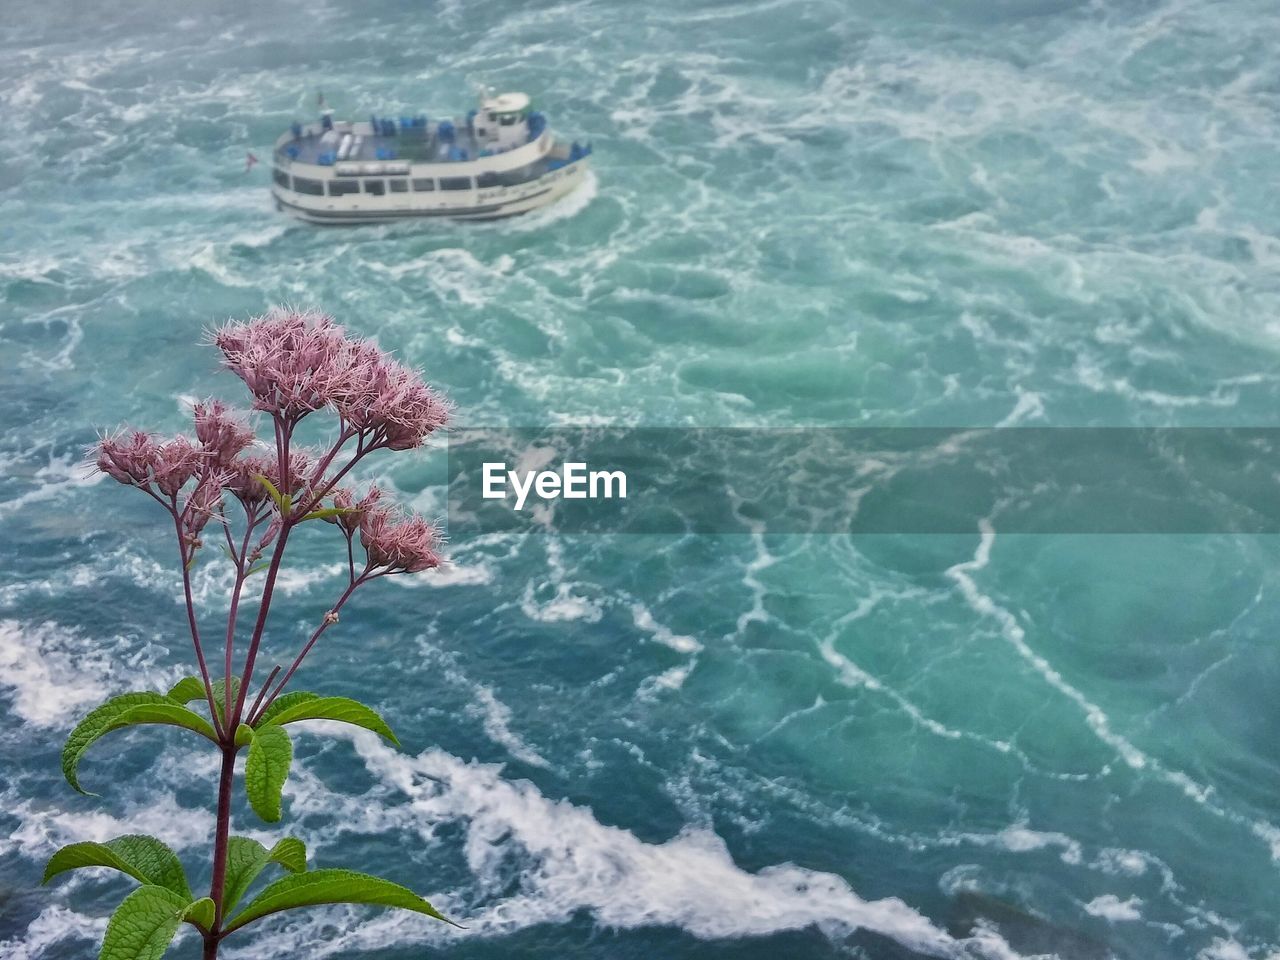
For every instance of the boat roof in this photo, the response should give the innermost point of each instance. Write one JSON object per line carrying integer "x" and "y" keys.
{"x": 507, "y": 103}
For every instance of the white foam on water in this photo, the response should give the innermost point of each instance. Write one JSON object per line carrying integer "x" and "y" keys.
{"x": 1095, "y": 717}
{"x": 851, "y": 674}
{"x": 494, "y": 715}
{"x": 567, "y": 207}
{"x": 644, "y": 620}
{"x": 58, "y": 477}
{"x": 1019, "y": 838}
{"x": 1112, "y": 908}
{"x": 1224, "y": 948}
{"x": 52, "y": 928}
{"x": 1112, "y": 860}
{"x": 42, "y": 829}
{"x": 452, "y": 574}
{"x": 566, "y": 862}
{"x": 565, "y": 605}
{"x": 52, "y": 674}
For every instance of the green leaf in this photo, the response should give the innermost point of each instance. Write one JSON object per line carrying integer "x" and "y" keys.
{"x": 257, "y": 568}
{"x": 144, "y": 924}
{"x": 123, "y": 711}
{"x": 271, "y": 491}
{"x": 280, "y": 704}
{"x": 247, "y": 858}
{"x": 342, "y": 709}
{"x": 244, "y": 735}
{"x": 324, "y": 513}
{"x": 331, "y": 886}
{"x": 144, "y": 858}
{"x": 220, "y": 696}
{"x": 266, "y": 770}
{"x": 202, "y": 913}
{"x": 186, "y": 690}
{"x": 290, "y": 853}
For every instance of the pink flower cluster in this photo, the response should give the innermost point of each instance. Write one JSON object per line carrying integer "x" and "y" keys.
{"x": 293, "y": 363}
{"x": 396, "y": 543}
{"x": 296, "y": 362}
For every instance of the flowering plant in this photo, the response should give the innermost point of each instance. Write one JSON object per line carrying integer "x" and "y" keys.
{"x": 294, "y": 364}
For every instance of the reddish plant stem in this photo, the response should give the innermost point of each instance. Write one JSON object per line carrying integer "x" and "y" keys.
{"x": 283, "y": 432}
{"x": 242, "y": 574}
{"x": 185, "y": 558}
{"x": 220, "y": 844}
{"x": 346, "y": 434}
{"x": 297, "y": 661}
{"x": 332, "y": 482}
{"x": 253, "y": 714}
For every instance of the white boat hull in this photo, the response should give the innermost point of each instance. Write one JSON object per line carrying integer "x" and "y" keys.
{"x": 476, "y": 204}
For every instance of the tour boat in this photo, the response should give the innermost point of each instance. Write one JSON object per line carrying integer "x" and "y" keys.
{"x": 497, "y": 161}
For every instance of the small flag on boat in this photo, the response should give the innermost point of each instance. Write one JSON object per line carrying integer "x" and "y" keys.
{"x": 249, "y": 161}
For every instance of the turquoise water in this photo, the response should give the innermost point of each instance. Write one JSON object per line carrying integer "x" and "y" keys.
{"x": 862, "y": 213}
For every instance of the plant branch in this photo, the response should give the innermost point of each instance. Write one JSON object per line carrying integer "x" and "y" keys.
{"x": 286, "y": 525}
{"x": 191, "y": 615}
{"x": 257, "y": 702}
{"x": 330, "y": 618}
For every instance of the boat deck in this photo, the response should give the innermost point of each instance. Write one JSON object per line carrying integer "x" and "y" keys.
{"x": 415, "y": 146}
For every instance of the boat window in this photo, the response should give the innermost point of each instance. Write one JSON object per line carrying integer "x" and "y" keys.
{"x": 508, "y": 178}
{"x": 281, "y": 178}
{"x": 340, "y": 188}
{"x": 314, "y": 188}
{"x": 422, "y": 184}
{"x": 398, "y": 186}
{"x": 507, "y": 121}
{"x": 375, "y": 187}
{"x": 455, "y": 183}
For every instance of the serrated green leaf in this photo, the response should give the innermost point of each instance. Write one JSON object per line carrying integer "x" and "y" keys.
{"x": 280, "y": 704}
{"x": 266, "y": 770}
{"x": 186, "y": 690}
{"x": 247, "y": 858}
{"x": 123, "y": 711}
{"x": 143, "y": 925}
{"x": 219, "y": 696}
{"x": 290, "y": 853}
{"x": 331, "y": 886}
{"x": 144, "y": 858}
{"x": 201, "y": 913}
{"x": 272, "y": 492}
{"x": 341, "y": 709}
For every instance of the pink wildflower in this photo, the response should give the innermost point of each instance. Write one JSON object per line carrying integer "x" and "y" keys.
{"x": 174, "y": 462}
{"x": 297, "y": 362}
{"x": 243, "y": 473}
{"x": 128, "y": 460}
{"x": 398, "y": 543}
{"x": 203, "y": 504}
{"x": 289, "y": 360}
{"x": 345, "y": 499}
{"x": 389, "y": 401}
{"x": 242, "y": 478}
{"x": 220, "y": 433}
